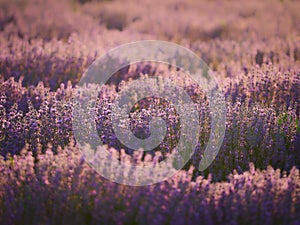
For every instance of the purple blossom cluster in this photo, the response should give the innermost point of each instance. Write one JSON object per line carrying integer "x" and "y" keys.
{"x": 257, "y": 130}
{"x": 62, "y": 189}
{"x": 56, "y": 61}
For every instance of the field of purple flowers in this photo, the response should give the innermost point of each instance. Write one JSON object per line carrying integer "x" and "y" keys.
{"x": 253, "y": 49}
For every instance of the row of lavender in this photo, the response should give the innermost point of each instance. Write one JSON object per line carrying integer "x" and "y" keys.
{"x": 262, "y": 123}
{"x": 194, "y": 20}
{"x": 62, "y": 189}
{"x": 57, "y": 61}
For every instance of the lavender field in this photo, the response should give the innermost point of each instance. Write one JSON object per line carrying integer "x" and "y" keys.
{"x": 252, "y": 49}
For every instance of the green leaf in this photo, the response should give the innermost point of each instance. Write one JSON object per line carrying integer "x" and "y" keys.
{"x": 297, "y": 125}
